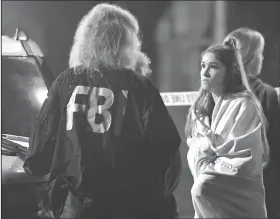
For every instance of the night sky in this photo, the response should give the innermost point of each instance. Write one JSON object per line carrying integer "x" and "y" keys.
{"x": 52, "y": 24}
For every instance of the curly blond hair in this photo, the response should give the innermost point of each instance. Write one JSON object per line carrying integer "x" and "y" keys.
{"x": 106, "y": 35}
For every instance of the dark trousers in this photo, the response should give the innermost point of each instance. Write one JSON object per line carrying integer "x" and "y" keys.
{"x": 272, "y": 193}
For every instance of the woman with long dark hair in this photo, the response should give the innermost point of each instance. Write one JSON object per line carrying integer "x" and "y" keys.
{"x": 225, "y": 133}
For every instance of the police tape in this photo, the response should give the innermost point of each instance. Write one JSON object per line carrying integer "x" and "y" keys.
{"x": 278, "y": 91}
{"x": 187, "y": 98}
{"x": 179, "y": 98}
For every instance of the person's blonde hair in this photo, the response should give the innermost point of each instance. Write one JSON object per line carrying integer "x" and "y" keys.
{"x": 142, "y": 65}
{"x": 107, "y": 35}
{"x": 249, "y": 43}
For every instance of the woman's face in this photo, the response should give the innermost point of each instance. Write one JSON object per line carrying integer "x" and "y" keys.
{"x": 212, "y": 73}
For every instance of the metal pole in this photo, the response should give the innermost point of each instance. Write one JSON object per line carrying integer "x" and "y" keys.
{"x": 220, "y": 21}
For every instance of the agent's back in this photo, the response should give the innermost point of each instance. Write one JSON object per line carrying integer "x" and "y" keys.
{"x": 108, "y": 144}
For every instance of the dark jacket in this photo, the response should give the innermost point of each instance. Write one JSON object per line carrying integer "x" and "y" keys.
{"x": 110, "y": 136}
{"x": 268, "y": 98}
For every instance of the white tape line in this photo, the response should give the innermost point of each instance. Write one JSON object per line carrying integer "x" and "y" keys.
{"x": 186, "y": 98}
{"x": 278, "y": 93}
{"x": 277, "y": 90}
{"x": 179, "y": 98}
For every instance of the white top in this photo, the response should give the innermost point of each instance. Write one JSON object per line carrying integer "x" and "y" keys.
{"x": 226, "y": 161}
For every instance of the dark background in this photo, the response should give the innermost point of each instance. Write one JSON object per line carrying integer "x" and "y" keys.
{"x": 263, "y": 16}
{"x": 52, "y": 25}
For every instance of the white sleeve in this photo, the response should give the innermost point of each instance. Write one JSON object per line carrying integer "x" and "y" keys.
{"x": 229, "y": 182}
{"x": 242, "y": 148}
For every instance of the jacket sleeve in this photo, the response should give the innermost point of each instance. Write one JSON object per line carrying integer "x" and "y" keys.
{"x": 161, "y": 127}
{"x": 43, "y": 134}
{"x": 273, "y": 136}
{"x": 165, "y": 144}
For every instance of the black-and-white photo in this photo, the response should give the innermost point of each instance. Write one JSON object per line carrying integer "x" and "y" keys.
{"x": 140, "y": 109}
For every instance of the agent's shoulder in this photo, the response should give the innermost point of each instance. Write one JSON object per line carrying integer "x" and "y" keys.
{"x": 140, "y": 80}
{"x": 64, "y": 74}
{"x": 63, "y": 79}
